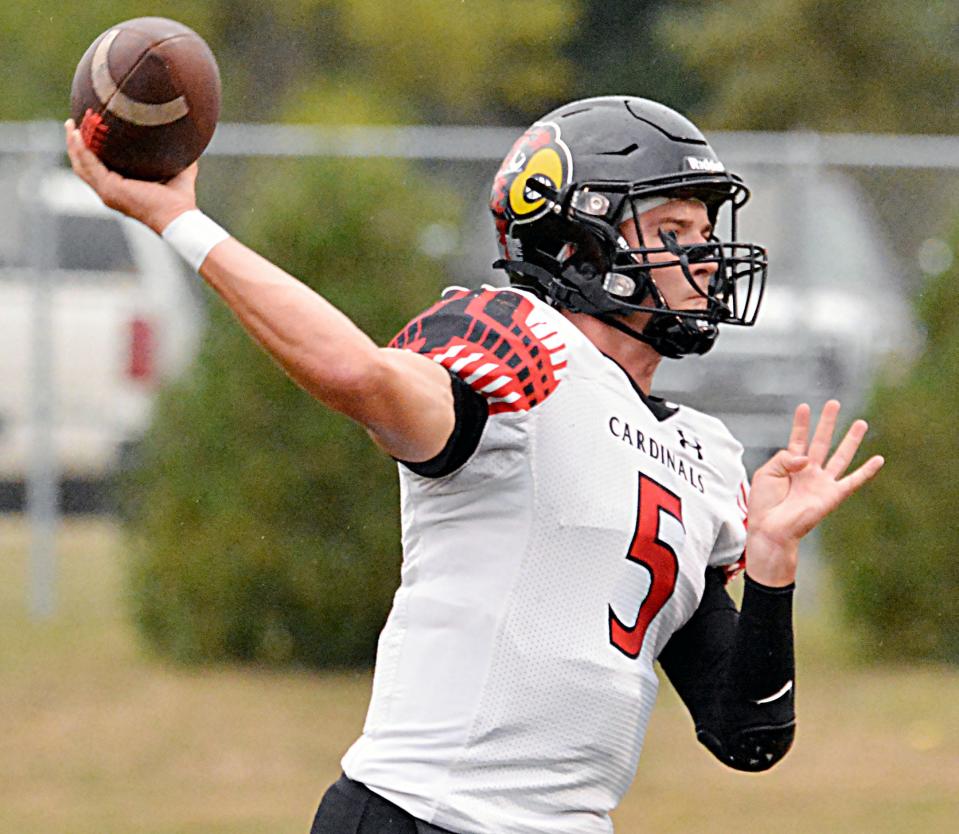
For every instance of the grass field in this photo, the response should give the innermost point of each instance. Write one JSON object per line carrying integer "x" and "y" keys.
{"x": 98, "y": 738}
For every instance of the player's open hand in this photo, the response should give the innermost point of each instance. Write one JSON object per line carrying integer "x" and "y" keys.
{"x": 797, "y": 488}
{"x": 154, "y": 204}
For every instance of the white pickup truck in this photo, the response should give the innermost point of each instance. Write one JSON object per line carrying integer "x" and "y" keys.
{"x": 123, "y": 318}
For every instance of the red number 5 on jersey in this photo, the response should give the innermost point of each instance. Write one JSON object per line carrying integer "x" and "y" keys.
{"x": 656, "y": 556}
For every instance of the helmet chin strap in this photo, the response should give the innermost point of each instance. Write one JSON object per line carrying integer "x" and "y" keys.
{"x": 621, "y": 326}
{"x": 673, "y": 339}
{"x": 671, "y": 336}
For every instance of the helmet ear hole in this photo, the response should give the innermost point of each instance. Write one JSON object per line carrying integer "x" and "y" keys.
{"x": 587, "y": 252}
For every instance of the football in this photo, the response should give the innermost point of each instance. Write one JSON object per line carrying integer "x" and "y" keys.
{"x": 146, "y": 97}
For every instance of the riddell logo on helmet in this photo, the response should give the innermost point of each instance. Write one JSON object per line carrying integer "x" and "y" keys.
{"x": 701, "y": 163}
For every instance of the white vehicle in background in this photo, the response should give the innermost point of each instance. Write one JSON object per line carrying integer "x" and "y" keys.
{"x": 836, "y": 309}
{"x": 124, "y": 317}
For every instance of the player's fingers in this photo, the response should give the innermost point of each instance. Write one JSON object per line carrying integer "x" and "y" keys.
{"x": 87, "y": 165}
{"x": 785, "y": 463}
{"x": 846, "y": 450}
{"x": 68, "y": 128}
{"x": 860, "y": 476}
{"x": 796, "y": 464}
{"x": 822, "y": 439}
{"x": 75, "y": 151}
{"x": 83, "y": 160}
{"x": 799, "y": 435}
{"x": 70, "y": 131}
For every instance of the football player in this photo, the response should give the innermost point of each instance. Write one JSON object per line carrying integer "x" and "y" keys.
{"x": 563, "y": 529}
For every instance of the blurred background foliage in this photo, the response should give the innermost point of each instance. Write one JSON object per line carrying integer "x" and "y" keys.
{"x": 325, "y": 60}
{"x": 894, "y": 548}
{"x": 815, "y": 64}
{"x": 855, "y": 65}
{"x": 419, "y": 61}
{"x": 264, "y": 527}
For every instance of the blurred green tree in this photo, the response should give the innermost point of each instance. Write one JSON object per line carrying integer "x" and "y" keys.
{"x": 461, "y": 62}
{"x": 44, "y": 40}
{"x": 618, "y": 48}
{"x": 424, "y": 60}
{"x": 851, "y": 65}
{"x": 894, "y": 548}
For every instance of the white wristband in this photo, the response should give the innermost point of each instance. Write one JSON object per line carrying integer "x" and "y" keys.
{"x": 192, "y": 235}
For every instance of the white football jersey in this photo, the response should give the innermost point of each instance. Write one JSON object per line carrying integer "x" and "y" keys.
{"x": 514, "y": 677}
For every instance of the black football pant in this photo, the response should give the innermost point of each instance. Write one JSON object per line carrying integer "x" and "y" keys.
{"x": 350, "y": 807}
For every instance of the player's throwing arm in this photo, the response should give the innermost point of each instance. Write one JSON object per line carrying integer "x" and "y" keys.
{"x": 403, "y": 399}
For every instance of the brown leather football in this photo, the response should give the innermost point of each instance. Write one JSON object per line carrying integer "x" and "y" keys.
{"x": 146, "y": 96}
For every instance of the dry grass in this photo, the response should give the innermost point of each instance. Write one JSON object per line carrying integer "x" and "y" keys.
{"x": 98, "y": 737}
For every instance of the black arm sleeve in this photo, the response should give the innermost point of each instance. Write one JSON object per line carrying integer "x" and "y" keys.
{"x": 471, "y": 411}
{"x": 735, "y": 673}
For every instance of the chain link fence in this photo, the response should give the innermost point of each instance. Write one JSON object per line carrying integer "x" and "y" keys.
{"x": 91, "y": 321}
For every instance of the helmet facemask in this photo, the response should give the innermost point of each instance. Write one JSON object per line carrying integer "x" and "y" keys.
{"x": 597, "y": 272}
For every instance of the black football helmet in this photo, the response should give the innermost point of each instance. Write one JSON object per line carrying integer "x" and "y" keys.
{"x": 575, "y": 176}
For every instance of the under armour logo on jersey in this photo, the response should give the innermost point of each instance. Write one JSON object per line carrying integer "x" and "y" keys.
{"x": 696, "y": 447}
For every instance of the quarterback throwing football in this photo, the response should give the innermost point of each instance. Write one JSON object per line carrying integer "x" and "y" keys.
{"x": 562, "y": 528}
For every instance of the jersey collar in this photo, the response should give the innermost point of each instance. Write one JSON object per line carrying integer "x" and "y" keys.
{"x": 657, "y": 406}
